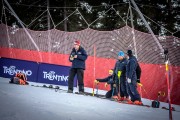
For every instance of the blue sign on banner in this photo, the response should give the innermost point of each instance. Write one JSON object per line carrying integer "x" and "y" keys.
{"x": 54, "y": 74}
{"x": 42, "y": 72}
{"x": 9, "y": 67}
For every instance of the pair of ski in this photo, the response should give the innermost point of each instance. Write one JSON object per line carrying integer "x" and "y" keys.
{"x": 90, "y": 94}
{"x": 126, "y": 102}
{"x": 56, "y": 88}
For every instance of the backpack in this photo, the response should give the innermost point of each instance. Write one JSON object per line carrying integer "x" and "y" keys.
{"x": 138, "y": 72}
{"x": 20, "y": 78}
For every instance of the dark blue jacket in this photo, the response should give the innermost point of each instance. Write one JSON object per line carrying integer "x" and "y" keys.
{"x": 120, "y": 66}
{"x": 78, "y": 62}
{"x": 131, "y": 68}
{"x": 108, "y": 79}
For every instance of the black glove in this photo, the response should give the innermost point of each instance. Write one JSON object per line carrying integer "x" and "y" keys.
{"x": 138, "y": 80}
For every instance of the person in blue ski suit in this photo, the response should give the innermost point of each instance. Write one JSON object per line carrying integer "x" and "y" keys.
{"x": 109, "y": 80}
{"x": 132, "y": 79}
{"x": 120, "y": 76}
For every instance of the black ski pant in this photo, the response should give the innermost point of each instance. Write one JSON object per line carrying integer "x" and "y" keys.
{"x": 111, "y": 93}
{"x": 123, "y": 89}
{"x": 132, "y": 91}
{"x": 80, "y": 77}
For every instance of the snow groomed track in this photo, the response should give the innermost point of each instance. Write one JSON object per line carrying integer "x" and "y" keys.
{"x": 37, "y": 103}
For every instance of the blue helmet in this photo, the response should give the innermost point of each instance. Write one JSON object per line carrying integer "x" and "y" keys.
{"x": 121, "y": 53}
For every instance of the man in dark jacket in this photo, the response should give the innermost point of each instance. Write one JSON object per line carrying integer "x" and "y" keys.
{"x": 109, "y": 80}
{"x": 120, "y": 76}
{"x": 132, "y": 79}
{"x": 78, "y": 57}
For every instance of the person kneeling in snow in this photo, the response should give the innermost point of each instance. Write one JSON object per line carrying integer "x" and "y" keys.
{"x": 108, "y": 80}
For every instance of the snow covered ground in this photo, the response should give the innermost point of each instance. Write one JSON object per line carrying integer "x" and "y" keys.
{"x": 37, "y": 103}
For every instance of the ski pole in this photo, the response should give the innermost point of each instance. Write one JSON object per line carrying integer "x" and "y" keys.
{"x": 119, "y": 75}
{"x": 96, "y": 89}
{"x": 146, "y": 92}
{"x": 140, "y": 84}
{"x": 93, "y": 89}
{"x": 119, "y": 88}
{"x": 113, "y": 92}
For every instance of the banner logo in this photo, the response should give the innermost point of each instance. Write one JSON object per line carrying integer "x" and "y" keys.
{"x": 12, "y": 71}
{"x": 53, "y": 76}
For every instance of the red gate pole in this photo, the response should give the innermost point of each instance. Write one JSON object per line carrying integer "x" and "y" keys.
{"x": 168, "y": 83}
{"x": 94, "y": 70}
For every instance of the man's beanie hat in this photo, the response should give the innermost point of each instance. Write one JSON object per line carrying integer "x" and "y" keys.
{"x": 121, "y": 53}
{"x": 77, "y": 42}
{"x": 129, "y": 52}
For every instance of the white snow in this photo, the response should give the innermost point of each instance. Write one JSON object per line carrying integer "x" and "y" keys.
{"x": 37, "y": 103}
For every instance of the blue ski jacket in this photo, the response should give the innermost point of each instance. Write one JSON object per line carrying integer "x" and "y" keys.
{"x": 131, "y": 68}
{"x": 108, "y": 79}
{"x": 120, "y": 66}
{"x": 78, "y": 62}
